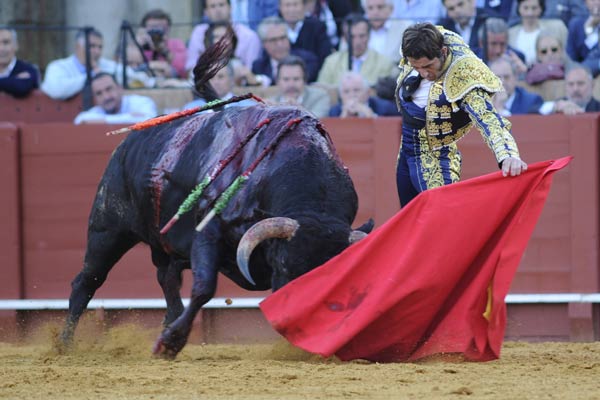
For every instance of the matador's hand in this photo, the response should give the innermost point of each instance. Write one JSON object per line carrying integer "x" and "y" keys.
{"x": 513, "y": 166}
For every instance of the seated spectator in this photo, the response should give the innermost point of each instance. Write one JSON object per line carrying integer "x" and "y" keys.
{"x": 292, "y": 88}
{"x": 496, "y": 30}
{"x": 307, "y": 33}
{"x": 166, "y": 55}
{"x": 251, "y": 12}
{"x": 356, "y": 102}
{"x": 565, "y": 10}
{"x": 514, "y": 99}
{"x": 551, "y": 60}
{"x": 273, "y": 35}
{"x": 223, "y": 83}
{"x": 523, "y": 35}
{"x": 583, "y": 45}
{"x": 66, "y": 77}
{"x": 368, "y": 62}
{"x": 419, "y": 10}
{"x": 248, "y": 48}
{"x": 243, "y": 76}
{"x": 331, "y": 13}
{"x": 465, "y": 18}
{"x": 111, "y": 107}
{"x": 579, "y": 85}
{"x": 17, "y": 78}
{"x": 386, "y": 34}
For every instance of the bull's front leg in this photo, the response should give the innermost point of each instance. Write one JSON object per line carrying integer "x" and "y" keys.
{"x": 204, "y": 260}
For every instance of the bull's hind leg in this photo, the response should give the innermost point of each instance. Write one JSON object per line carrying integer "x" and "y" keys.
{"x": 104, "y": 249}
{"x": 169, "y": 277}
{"x": 205, "y": 256}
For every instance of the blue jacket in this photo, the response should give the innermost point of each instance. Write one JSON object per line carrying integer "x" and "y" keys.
{"x": 576, "y": 48}
{"x": 526, "y": 102}
{"x": 20, "y": 87}
{"x": 262, "y": 65}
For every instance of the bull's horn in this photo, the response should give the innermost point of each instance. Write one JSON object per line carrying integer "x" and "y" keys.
{"x": 356, "y": 236}
{"x": 276, "y": 227}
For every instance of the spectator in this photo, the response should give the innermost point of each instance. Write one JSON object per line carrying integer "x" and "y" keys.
{"x": 306, "y": 33}
{"x": 66, "y": 77}
{"x": 386, "y": 34}
{"x": 292, "y": 88}
{"x": 565, "y": 10}
{"x": 248, "y": 48}
{"x": 513, "y": 100}
{"x": 356, "y": 102}
{"x": 223, "y": 83}
{"x": 579, "y": 87}
{"x": 523, "y": 35}
{"x": 273, "y": 34}
{"x": 501, "y": 8}
{"x": 551, "y": 62}
{"x": 17, "y": 78}
{"x": 111, "y": 107}
{"x": 243, "y": 76}
{"x": 166, "y": 55}
{"x": 419, "y": 10}
{"x": 465, "y": 19}
{"x": 331, "y": 13}
{"x": 583, "y": 45}
{"x": 369, "y": 63}
{"x": 251, "y": 12}
{"x": 496, "y": 30}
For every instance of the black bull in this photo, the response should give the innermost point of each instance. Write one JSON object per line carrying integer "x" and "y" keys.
{"x": 150, "y": 174}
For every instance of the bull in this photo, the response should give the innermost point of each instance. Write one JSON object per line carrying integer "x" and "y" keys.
{"x": 293, "y": 214}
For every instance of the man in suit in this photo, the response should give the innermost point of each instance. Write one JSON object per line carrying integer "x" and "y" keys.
{"x": 514, "y": 100}
{"x": 465, "y": 19}
{"x": 356, "y": 102}
{"x": 386, "y": 34}
{"x": 306, "y": 33}
{"x": 579, "y": 85}
{"x": 17, "y": 78}
{"x": 583, "y": 34}
{"x": 495, "y": 30}
{"x": 276, "y": 46}
{"x": 369, "y": 63}
{"x": 291, "y": 82}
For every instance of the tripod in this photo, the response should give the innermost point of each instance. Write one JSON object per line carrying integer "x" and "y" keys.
{"x": 127, "y": 30}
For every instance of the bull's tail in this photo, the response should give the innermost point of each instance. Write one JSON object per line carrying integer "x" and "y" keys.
{"x": 210, "y": 62}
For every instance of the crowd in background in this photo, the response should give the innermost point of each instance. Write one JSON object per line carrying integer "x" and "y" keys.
{"x": 305, "y": 49}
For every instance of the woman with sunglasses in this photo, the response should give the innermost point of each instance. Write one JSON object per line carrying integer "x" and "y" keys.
{"x": 551, "y": 59}
{"x": 524, "y": 35}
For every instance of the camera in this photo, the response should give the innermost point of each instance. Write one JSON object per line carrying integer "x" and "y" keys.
{"x": 156, "y": 35}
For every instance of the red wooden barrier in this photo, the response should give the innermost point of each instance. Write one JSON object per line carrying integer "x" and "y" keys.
{"x": 61, "y": 165}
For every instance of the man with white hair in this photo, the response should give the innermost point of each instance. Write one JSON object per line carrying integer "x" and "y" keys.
{"x": 17, "y": 77}
{"x": 66, "y": 77}
{"x": 356, "y": 102}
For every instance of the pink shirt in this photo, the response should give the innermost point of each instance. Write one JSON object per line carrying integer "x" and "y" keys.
{"x": 247, "y": 50}
{"x": 178, "y": 56}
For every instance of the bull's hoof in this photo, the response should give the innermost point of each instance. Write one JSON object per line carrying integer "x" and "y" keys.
{"x": 161, "y": 350}
{"x": 63, "y": 343}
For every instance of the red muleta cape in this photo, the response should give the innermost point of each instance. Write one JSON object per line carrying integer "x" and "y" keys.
{"x": 431, "y": 280}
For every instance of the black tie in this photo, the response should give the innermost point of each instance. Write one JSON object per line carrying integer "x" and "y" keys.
{"x": 410, "y": 86}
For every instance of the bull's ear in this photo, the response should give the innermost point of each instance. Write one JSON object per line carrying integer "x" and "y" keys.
{"x": 356, "y": 236}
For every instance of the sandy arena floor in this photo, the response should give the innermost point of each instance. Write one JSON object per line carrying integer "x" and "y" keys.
{"x": 118, "y": 366}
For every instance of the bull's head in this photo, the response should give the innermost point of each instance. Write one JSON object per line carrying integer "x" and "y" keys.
{"x": 283, "y": 228}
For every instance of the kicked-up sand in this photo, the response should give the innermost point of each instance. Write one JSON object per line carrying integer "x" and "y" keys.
{"x": 119, "y": 365}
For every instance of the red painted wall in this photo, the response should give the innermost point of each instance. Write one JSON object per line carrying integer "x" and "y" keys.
{"x": 51, "y": 171}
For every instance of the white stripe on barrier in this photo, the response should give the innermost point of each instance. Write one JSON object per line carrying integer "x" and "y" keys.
{"x": 252, "y": 302}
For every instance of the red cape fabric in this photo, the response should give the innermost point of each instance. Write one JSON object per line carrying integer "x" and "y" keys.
{"x": 420, "y": 284}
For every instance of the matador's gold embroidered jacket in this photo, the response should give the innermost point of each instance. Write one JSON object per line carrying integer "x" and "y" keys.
{"x": 460, "y": 98}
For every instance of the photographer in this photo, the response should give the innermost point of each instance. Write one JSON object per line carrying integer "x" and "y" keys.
{"x": 166, "y": 56}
